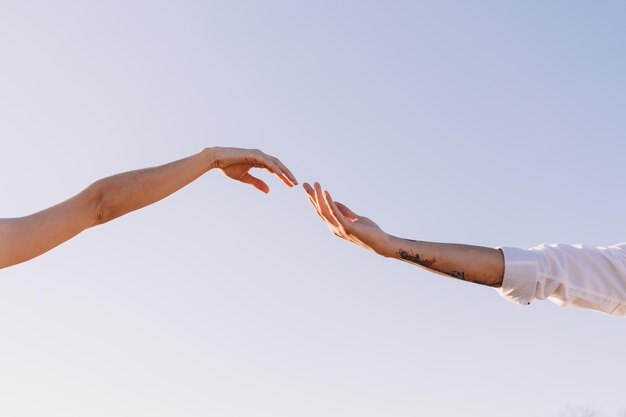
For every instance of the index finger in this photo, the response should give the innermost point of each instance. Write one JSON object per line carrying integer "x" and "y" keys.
{"x": 267, "y": 162}
{"x": 334, "y": 211}
{"x": 286, "y": 170}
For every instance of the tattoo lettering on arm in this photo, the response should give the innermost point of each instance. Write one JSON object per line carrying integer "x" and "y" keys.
{"x": 416, "y": 259}
{"x": 445, "y": 266}
{"x": 458, "y": 275}
{"x": 430, "y": 264}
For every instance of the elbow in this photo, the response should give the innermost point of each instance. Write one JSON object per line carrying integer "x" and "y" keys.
{"x": 100, "y": 206}
{"x": 100, "y": 216}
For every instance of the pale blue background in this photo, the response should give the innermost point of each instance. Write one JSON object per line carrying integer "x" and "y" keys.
{"x": 491, "y": 122}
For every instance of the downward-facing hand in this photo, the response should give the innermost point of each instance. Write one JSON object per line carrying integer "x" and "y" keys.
{"x": 236, "y": 163}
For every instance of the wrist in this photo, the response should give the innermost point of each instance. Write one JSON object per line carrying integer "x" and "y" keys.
{"x": 211, "y": 157}
{"x": 386, "y": 246}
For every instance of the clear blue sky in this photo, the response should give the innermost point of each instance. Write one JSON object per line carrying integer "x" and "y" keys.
{"x": 488, "y": 122}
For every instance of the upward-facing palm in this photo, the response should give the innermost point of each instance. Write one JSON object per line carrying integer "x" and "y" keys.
{"x": 345, "y": 223}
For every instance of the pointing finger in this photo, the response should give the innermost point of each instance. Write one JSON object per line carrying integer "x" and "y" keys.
{"x": 271, "y": 166}
{"x": 286, "y": 170}
{"x": 335, "y": 212}
{"x": 311, "y": 195}
{"x": 325, "y": 211}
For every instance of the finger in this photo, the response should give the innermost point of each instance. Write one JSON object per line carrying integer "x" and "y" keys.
{"x": 275, "y": 169}
{"x": 311, "y": 195}
{"x": 286, "y": 170}
{"x": 335, "y": 212}
{"x": 255, "y": 182}
{"x": 309, "y": 190}
{"x": 345, "y": 210}
{"x": 321, "y": 203}
{"x": 317, "y": 209}
{"x": 266, "y": 162}
{"x": 271, "y": 166}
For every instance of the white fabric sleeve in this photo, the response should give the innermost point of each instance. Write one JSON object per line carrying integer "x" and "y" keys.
{"x": 584, "y": 276}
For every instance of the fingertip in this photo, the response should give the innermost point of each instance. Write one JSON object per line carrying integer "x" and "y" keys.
{"x": 263, "y": 187}
{"x": 289, "y": 177}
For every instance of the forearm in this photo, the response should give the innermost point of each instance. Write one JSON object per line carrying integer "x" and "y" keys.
{"x": 476, "y": 264}
{"x": 129, "y": 191}
{"x": 469, "y": 263}
{"x": 26, "y": 237}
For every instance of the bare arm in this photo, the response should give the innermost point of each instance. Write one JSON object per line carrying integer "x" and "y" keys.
{"x": 476, "y": 264}
{"x": 26, "y": 237}
{"x": 469, "y": 263}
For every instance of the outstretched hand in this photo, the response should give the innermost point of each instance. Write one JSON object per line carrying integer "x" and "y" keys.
{"x": 236, "y": 163}
{"x": 345, "y": 223}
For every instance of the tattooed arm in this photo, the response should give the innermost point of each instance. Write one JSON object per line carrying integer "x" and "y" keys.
{"x": 465, "y": 262}
{"x": 469, "y": 263}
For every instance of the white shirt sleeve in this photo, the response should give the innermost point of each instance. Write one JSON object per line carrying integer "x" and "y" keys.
{"x": 584, "y": 276}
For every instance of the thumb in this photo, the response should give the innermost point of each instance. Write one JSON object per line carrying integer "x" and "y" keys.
{"x": 255, "y": 182}
{"x": 346, "y": 211}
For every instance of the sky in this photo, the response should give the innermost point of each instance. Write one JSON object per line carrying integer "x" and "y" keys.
{"x": 495, "y": 123}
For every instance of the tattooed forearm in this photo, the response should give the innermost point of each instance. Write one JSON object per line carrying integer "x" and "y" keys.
{"x": 458, "y": 275}
{"x": 430, "y": 264}
{"x": 476, "y": 264}
{"x": 416, "y": 259}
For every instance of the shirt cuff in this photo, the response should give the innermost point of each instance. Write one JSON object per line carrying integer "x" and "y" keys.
{"x": 520, "y": 275}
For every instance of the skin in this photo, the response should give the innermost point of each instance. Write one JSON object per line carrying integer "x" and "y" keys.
{"x": 24, "y": 238}
{"x": 476, "y": 264}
